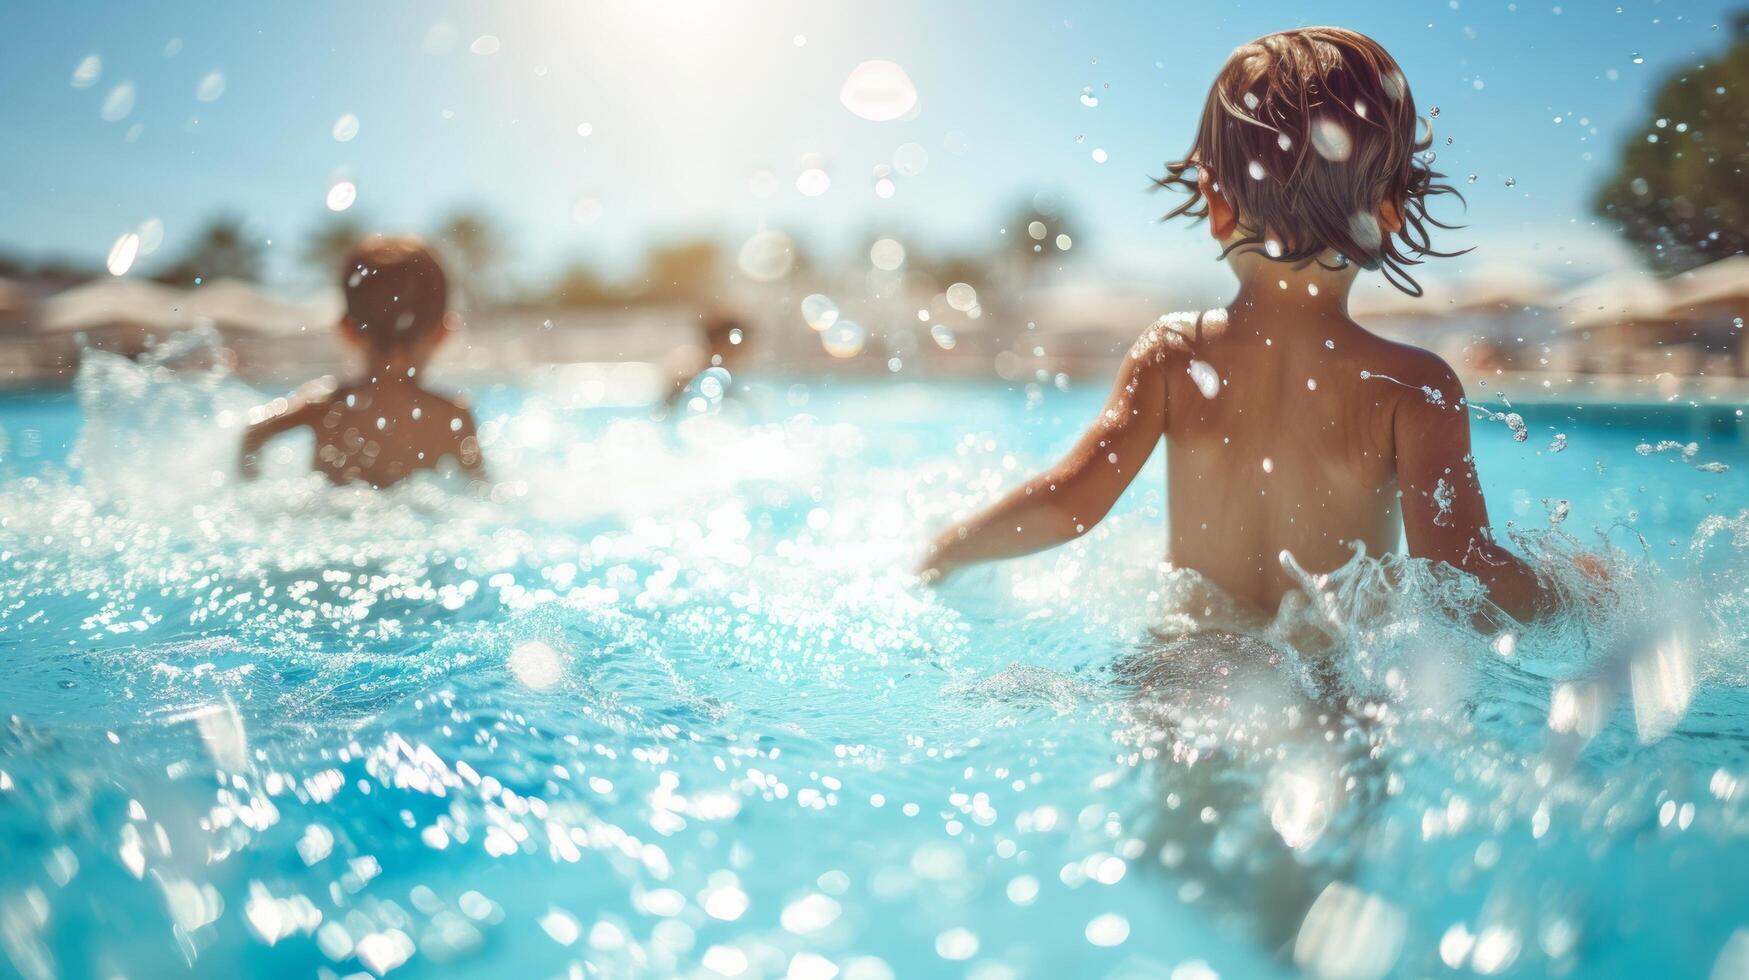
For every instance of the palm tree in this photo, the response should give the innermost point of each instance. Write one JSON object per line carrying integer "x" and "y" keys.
{"x": 328, "y": 244}
{"x": 473, "y": 248}
{"x": 225, "y": 248}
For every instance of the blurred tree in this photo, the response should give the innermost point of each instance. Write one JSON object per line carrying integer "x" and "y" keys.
{"x": 682, "y": 271}
{"x": 578, "y": 285}
{"x": 329, "y": 242}
{"x": 1040, "y": 235}
{"x": 472, "y": 245}
{"x": 224, "y": 248}
{"x": 1680, "y": 192}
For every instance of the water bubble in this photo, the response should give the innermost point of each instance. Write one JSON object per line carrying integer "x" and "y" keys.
{"x": 211, "y": 86}
{"x": 962, "y": 296}
{"x": 1512, "y": 182}
{"x": 886, "y": 254}
{"x": 885, "y": 188}
{"x": 1350, "y": 933}
{"x": 910, "y": 159}
{"x": 588, "y": 210}
{"x": 151, "y": 232}
{"x": 585, "y": 129}
{"x": 844, "y": 338}
{"x": 1206, "y": 379}
{"x": 812, "y": 182}
{"x": 1638, "y": 60}
{"x": 800, "y": 40}
{"x": 341, "y": 195}
{"x": 1256, "y": 170}
{"x": 1559, "y": 443}
{"x": 957, "y": 944}
{"x": 942, "y": 336}
{"x": 486, "y": 44}
{"x": 1330, "y": 138}
{"x": 1272, "y": 248}
{"x": 1037, "y": 230}
{"x": 1109, "y": 929}
{"x": 1250, "y": 100}
{"x": 122, "y": 254}
{"x": 878, "y": 91}
{"x": 345, "y": 128}
{"x": 767, "y": 256}
{"x": 118, "y": 103}
{"x": 86, "y": 73}
{"x": 536, "y": 665}
{"x": 819, "y": 312}
{"x": 1063, "y": 243}
{"x": 1284, "y": 141}
{"x": 1088, "y": 99}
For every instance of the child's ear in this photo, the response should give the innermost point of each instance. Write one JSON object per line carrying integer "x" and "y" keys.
{"x": 1390, "y": 216}
{"x": 1222, "y": 220}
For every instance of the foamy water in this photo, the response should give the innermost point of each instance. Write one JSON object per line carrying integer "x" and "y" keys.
{"x": 667, "y": 700}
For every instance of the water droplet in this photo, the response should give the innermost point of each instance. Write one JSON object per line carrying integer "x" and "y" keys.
{"x": 1256, "y": 170}
{"x": 878, "y": 91}
{"x": 1088, "y": 99}
{"x": 122, "y": 254}
{"x": 345, "y": 128}
{"x": 211, "y": 86}
{"x": 1099, "y": 155}
{"x": 844, "y": 338}
{"x": 767, "y": 256}
{"x": 486, "y": 44}
{"x": 886, "y": 254}
{"x": 962, "y": 296}
{"x": 819, "y": 312}
{"x": 942, "y": 336}
{"x": 1512, "y": 182}
{"x": 910, "y": 159}
{"x": 118, "y": 103}
{"x": 812, "y": 182}
{"x": 341, "y": 195}
{"x": 1330, "y": 138}
{"x": 1206, "y": 379}
{"x": 86, "y": 73}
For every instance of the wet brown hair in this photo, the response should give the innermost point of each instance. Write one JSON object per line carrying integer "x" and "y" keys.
{"x": 396, "y": 292}
{"x": 1305, "y": 133}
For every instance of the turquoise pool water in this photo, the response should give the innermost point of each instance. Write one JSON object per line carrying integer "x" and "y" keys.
{"x": 670, "y": 703}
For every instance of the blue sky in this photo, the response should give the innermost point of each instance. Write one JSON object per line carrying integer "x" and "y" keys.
{"x": 687, "y": 100}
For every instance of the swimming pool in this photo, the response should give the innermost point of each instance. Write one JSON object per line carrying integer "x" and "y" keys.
{"x": 670, "y": 703}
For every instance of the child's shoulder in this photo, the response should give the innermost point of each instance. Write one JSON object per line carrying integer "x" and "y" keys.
{"x": 1178, "y": 335}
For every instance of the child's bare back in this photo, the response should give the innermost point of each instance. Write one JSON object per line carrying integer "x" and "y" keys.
{"x": 385, "y": 425}
{"x": 375, "y": 433}
{"x": 1290, "y": 430}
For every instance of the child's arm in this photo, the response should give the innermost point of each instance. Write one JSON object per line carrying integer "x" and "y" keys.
{"x": 267, "y": 421}
{"x": 1444, "y": 515}
{"x": 1065, "y": 501}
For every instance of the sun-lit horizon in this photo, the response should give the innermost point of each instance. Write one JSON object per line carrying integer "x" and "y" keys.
{"x": 590, "y": 133}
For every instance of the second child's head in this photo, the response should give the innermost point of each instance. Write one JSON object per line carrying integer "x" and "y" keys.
{"x": 397, "y": 302}
{"x": 1307, "y": 152}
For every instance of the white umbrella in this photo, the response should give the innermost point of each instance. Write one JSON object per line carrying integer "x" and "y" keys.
{"x": 233, "y": 304}
{"x": 1723, "y": 283}
{"x": 1626, "y": 297}
{"x": 105, "y": 303}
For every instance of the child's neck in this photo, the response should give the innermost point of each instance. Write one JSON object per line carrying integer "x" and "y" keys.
{"x": 395, "y": 373}
{"x": 1268, "y": 287}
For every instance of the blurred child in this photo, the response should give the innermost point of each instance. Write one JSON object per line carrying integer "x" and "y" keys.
{"x": 1290, "y": 430}
{"x": 725, "y": 344}
{"x": 384, "y": 425}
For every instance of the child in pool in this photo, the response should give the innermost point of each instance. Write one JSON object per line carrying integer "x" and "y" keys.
{"x": 385, "y": 425}
{"x": 1290, "y": 430}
